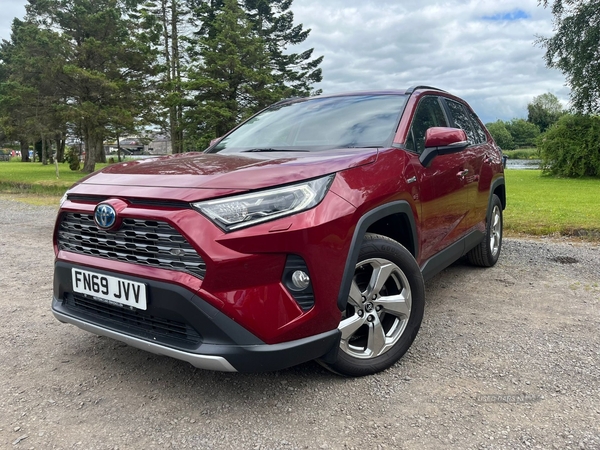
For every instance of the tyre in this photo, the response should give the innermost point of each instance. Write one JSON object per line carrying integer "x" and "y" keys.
{"x": 384, "y": 310}
{"x": 486, "y": 254}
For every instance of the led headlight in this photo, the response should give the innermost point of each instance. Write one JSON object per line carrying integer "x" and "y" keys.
{"x": 63, "y": 199}
{"x": 241, "y": 211}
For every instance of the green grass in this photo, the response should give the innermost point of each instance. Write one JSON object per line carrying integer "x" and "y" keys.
{"x": 34, "y": 178}
{"x": 537, "y": 205}
{"x": 544, "y": 205}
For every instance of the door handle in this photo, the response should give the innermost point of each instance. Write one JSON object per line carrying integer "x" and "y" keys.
{"x": 463, "y": 173}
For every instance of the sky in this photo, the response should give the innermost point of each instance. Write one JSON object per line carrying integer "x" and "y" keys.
{"x": 481, "y": 50}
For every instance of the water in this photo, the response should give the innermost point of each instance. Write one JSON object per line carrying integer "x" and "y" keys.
{"x": 523, "y": 164}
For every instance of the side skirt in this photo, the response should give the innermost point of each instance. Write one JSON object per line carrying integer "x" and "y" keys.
{"x": 443, "y": 259}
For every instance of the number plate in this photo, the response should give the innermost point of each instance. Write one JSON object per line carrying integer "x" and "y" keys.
{"x": 109, "y": 289}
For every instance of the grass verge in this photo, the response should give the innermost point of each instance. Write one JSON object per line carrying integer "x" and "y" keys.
{"x": 544, "y": 205}
{"x": 37, "y": 180}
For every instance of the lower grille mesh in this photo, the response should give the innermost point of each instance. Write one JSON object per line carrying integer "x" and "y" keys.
{"x": 137, "y": 322}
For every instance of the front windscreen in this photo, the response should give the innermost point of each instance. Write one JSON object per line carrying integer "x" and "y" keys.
{"x": 319, "y": 123}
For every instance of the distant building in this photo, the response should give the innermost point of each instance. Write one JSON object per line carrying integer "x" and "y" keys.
{"x": 161, "y": 145}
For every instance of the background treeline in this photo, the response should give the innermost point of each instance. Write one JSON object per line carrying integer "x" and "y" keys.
{"x": 103, "y": 69}
{"x": 568, "y": 144}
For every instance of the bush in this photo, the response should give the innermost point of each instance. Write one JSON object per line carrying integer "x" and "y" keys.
{"x": 501, "y": 135}
{"x": 524, "y": 133}
{"x": 72, "y": 157}
{"x": 571, "y": 147}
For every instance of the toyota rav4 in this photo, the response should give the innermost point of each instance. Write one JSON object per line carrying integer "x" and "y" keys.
{"x": 305, "y": 233}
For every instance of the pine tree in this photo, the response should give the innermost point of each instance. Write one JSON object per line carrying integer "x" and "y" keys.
{"x": 274, "y": 21}
{"x": 170, "y": 16}
{"x": 30, "y": 102}
{"x": 107, "y": 64}
{"x": 233, "y": 80}
{"x": 239, "y": 63}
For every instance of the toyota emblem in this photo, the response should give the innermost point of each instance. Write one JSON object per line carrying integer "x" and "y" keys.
{"x": 105, "y": 216}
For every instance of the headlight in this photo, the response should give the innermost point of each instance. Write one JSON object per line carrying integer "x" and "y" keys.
{"x": 62, "y": 200}
{"x": 245, "y": 210}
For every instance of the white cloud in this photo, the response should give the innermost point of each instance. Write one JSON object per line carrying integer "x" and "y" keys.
{"x": 462, "y": 46}
{"x": 493, "y": 64}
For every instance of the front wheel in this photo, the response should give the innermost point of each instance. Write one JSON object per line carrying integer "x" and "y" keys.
{"x": 384, "y": 310}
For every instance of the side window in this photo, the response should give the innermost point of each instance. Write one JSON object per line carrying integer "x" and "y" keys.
{"x": 462, "y": 120}
{"x": 481, "y": 136}
{"x": 429, "y": 114}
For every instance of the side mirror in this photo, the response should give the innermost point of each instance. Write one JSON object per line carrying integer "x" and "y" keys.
{"x": 442, "y": 141}
{"x": 215, "y": 141}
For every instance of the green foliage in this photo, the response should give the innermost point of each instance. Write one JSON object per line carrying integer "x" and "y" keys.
{"x": 523, "y": 133}
{"x": 544, "y": 111}
{"x": 513, "y": 134}
{"x": 72, "y": 158}
{"x": 100, "y": 64}
{"x": 273, "y": 20}
{"x": 30, "y": 106}
{"x": 571, "y": 148}
{"x": 104, "y": 68}
{"x": 523, "y": 153}
{"x": 501, "y": 135}
{"x": 239, "y": 64}
{"x": 574, "y": 49}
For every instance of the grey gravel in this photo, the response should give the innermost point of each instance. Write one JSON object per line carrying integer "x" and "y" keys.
{"x": 507, "y": 358}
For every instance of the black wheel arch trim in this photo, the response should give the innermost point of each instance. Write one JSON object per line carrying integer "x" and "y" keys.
{"x": 368, "y": 219}
{"x": 495, "y": 185}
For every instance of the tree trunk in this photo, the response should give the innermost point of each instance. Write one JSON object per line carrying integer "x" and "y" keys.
{"x": 100, "y": 153}
{"x": 60, "y": 147}
{"x": 176, "y": 134}
{"x": 24, "y": 150}
{"x": 44, "y": 154}
{"x": 89, "y": 164}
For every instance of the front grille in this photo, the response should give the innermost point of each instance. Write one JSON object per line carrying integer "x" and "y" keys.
{"x": 146, "y": 242}
{"x": 133, "y": 321}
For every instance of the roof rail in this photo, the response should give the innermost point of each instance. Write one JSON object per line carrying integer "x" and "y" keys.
{"x": 410, "y": 90}
{"x": 289, "y": 99}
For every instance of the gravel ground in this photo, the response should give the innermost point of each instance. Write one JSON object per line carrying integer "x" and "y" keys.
{"x": 506, "y": 358}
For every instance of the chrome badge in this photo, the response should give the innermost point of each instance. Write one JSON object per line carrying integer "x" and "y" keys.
{"x": 105, "y": 216}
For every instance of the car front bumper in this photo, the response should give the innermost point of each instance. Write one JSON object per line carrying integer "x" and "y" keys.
{"x": 180, "y": 324}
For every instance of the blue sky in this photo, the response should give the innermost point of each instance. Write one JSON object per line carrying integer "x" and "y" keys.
{"x": 481, "y": 50}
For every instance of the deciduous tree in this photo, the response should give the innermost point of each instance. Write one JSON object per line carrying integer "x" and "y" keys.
{"x": 544, "y": 110}
{"x": 524, "y": 133}
{"x": 574, "y": 49}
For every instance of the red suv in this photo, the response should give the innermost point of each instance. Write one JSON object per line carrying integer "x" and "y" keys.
{"x": 304, "y": 233}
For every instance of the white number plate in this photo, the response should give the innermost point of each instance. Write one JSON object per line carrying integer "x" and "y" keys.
{"x": 109, "y": 289}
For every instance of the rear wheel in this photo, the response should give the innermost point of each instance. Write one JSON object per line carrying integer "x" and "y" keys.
{"x": 486, "y": 254}
{"x": 384, "y": 310}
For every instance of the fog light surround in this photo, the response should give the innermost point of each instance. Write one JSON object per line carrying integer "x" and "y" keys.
{"x": 296, "y": 279}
